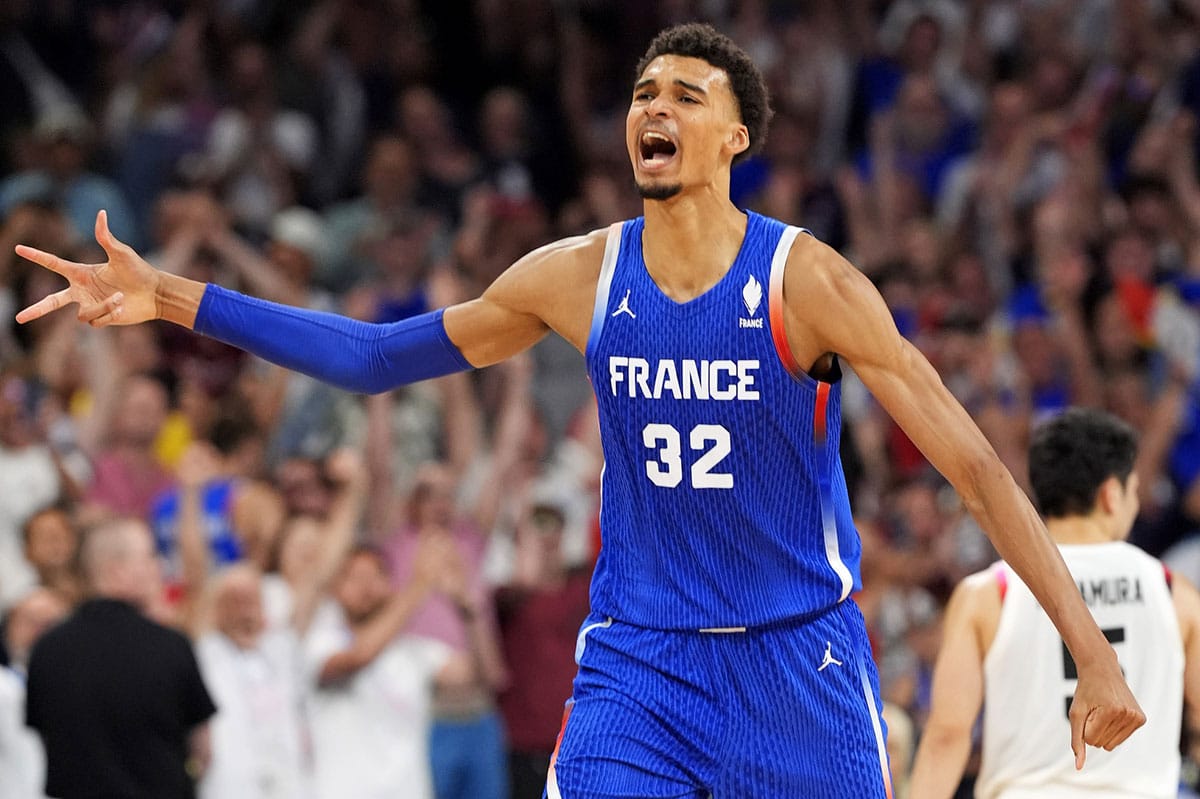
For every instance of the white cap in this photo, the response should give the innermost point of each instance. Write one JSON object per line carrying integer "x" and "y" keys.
{"x": 300, "y": 228}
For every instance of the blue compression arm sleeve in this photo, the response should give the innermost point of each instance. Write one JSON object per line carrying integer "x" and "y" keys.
{"x": 356, "y": 356}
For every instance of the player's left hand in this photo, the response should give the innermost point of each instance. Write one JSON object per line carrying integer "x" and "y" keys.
{"x": 1104, "y": 712}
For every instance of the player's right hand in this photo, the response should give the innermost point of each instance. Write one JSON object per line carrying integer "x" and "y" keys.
{"x": 122, "y": 291}
{"x": 1104, "y": 711}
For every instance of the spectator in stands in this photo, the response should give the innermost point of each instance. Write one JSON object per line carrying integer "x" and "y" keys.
{"x": 29, "y": 480}
{"x": 51, "y": 546}
{"x": 117, "y": 699}
{"x": 22, "y": 759}
{"x": 540, "y": 611}
{"x": 63, "y": 136}
{"x": 127, "y": 477}
{"x": 257, "y": 735}
{"x": 370, "y": 704}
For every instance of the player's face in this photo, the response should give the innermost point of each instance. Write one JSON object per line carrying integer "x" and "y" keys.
{"x": 683, "y": 126}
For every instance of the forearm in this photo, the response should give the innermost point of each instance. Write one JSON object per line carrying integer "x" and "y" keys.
{"x": 371, "y": 640}
{"x": 355, "y": 356}
{"x": 1021, "y": 540}
{"x": 940, "y": 761}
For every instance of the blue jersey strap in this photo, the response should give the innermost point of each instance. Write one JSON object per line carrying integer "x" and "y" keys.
{"x": 356, "y": 356}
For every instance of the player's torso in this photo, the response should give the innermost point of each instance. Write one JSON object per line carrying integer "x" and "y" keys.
{"x": 1030, "y": 679}
{"x": 724, "y": 502}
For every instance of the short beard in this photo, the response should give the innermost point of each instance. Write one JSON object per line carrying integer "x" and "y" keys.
{"x": 659, "y": 191}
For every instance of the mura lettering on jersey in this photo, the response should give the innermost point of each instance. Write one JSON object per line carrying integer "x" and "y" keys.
{"x": 687, "y": 379}
{"x": 1111, "y": 591}
{"x": 752, "y": 294}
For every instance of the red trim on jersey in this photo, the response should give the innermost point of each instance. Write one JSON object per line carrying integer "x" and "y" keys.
{"x": 1001, "y": 580}
{"x": 1167, "y": 574}
{"x": 819, "y": 408}
{"x": 778, "y": 334}
{"x": 558, "y": 741}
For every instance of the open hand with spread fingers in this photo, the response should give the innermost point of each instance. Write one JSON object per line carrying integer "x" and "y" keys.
{"x": 123, "y": 291}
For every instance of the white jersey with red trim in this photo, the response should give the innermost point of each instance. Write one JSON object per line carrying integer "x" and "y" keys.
{"x": 1029, "y": 680}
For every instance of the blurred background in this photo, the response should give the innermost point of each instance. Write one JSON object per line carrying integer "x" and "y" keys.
{"x": 1018, "y": 177}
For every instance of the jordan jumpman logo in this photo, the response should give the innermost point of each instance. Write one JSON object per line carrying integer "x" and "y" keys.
{"x": 829, "y": 659}
{"x": 624, "y": 306}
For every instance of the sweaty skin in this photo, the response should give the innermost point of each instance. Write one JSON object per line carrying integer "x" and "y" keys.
{"x": 689, "y": 241}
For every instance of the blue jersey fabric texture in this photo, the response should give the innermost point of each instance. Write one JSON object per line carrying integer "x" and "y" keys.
{"x": 722, "y": 659}
{"x": 723, "y": 498}
{"x": 777, "y": 712}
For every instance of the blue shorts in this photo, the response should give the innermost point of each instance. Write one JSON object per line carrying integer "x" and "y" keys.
{"x": 778, "y": 712}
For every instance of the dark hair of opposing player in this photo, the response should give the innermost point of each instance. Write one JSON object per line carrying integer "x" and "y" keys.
{"x": 1073, "y": 454}
{"x": 696, "y": 40}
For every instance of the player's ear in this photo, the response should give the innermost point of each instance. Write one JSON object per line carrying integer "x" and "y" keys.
{"x": 1109, "y": 496}
{"x": 739, "y": 139}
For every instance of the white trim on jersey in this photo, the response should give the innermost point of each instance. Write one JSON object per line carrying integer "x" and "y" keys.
{"x": 581, "y": 641}
{"x": 779, "y": 260}
{"x": 612, "y": 249}
{"x": 869, "y": 693}
{"x": 833, "y": 549}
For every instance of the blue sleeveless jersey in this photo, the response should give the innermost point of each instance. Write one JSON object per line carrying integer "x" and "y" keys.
{"x": 723, "y": 498}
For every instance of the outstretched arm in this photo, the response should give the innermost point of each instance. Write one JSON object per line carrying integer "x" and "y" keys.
{"x": 550, "y": 287}
{"x": 830, "y": 307}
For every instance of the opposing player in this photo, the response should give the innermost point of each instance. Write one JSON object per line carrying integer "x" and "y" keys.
{"x": 1000, "y": 650}
{"x": 721, "y": 658}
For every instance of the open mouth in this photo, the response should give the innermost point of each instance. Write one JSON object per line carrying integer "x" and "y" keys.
{"x": 656, "y": 149}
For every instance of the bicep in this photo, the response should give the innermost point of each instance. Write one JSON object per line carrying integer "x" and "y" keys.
{"x": 846, "y": 315}
{"x": 488, "y": 330}
{"x": 551, "y": 288}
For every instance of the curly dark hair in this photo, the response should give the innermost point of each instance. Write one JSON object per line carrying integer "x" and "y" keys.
{"x": 1073, "y": 454}
{"x": 697, "y": 40}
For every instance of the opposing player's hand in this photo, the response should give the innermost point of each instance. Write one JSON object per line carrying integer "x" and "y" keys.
{"x": 1104, "y": 712}
{"x": 119, "y": 292}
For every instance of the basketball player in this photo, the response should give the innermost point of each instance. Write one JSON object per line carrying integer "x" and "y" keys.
{"x": 722, "y": 657}
{"x": 1000, "y": 649}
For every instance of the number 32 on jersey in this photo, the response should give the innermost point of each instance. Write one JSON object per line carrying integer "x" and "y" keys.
{"x": 710, "y": 440}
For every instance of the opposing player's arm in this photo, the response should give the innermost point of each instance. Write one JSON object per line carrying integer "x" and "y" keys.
{"x": 830, "y": 307}
{"x": 1187, "y": 609}
{"x": 957, "y": 688}
{"x": 547, "y": 289}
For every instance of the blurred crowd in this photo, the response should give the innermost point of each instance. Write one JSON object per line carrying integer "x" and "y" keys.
{"x": 383, "y": 592}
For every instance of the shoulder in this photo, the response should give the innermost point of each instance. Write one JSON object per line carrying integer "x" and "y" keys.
{"x": 571, "y": 257}
{"x": 821, "y": 270}
{"x": 979, "y": 596}
{"x": 1186, "y": 600}
{"x": 975, "y": 605}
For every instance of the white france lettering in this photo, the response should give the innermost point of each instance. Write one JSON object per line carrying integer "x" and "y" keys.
{"x": 684, "y": 379}
{"x": 695, "y": 380}
{"x": 714, "y": 385}
{"x": 639, "y": 373}
{"x": 666, "y": 379}
{"x": 745, "y": 372}
{"x": 615, "y": 371}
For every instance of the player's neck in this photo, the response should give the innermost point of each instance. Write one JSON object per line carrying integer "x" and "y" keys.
{"x": 690, "y": 241}
{"x": 1080, "y": 530}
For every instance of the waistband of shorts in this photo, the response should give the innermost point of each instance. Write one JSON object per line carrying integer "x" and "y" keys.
{"x": 790, "y": 621}
{"x": 730, "y": 629}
